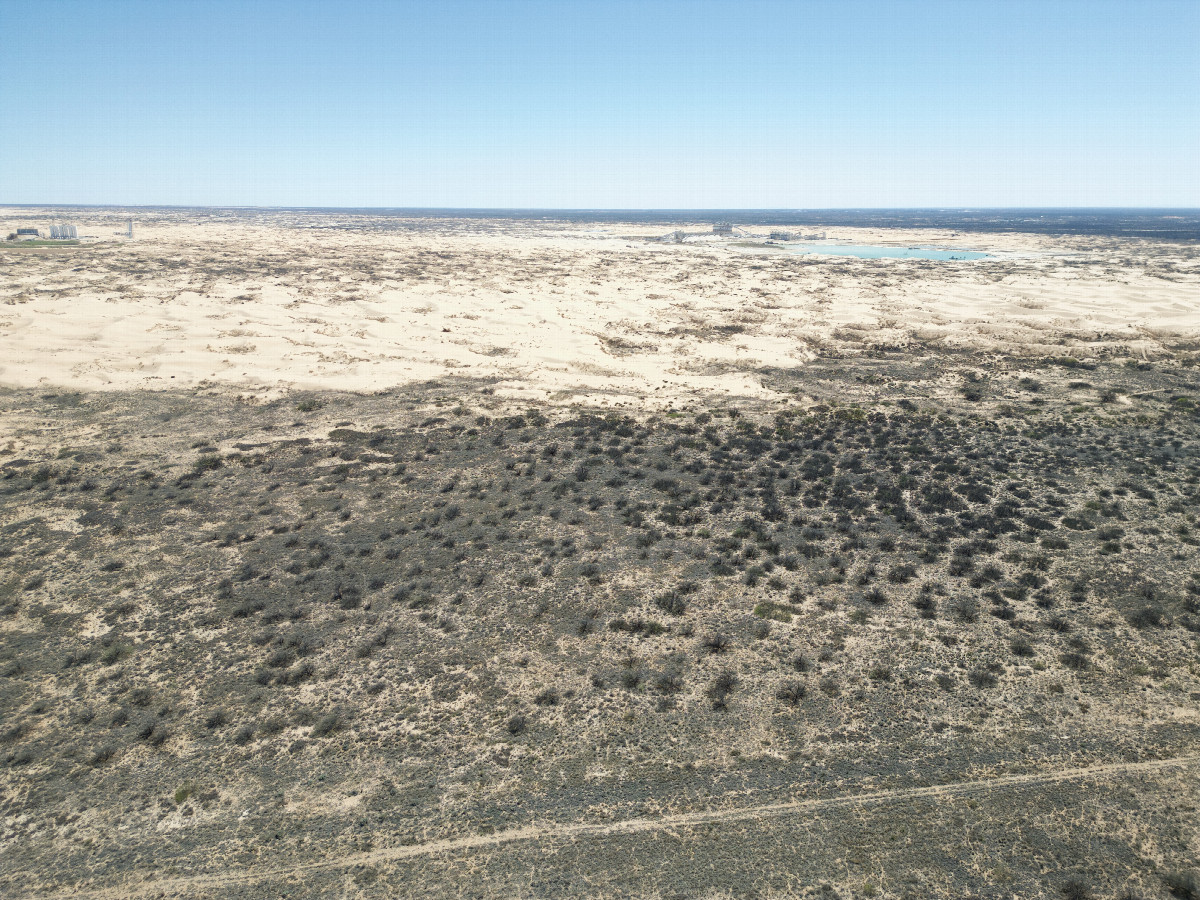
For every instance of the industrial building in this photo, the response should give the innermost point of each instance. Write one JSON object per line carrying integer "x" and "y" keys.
{"x": 781, "y": 235}
{"x": 722, "y": 228}
{"x": 28, "y": 234}
{"x": 63, "y": 232}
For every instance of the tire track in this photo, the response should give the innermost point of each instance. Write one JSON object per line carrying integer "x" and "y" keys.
{"x": 569, "y": 831}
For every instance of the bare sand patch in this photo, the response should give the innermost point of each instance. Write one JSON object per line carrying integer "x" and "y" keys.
{"x": 288, "y": 301}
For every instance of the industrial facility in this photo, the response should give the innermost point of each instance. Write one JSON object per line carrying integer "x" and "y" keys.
{"x": 63, "y": 232}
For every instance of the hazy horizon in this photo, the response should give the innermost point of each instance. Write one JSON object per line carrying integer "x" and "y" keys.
{"x": 1176, "y": 224}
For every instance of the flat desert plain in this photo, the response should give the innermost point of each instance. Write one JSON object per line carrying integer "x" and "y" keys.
{"x": 354, "y": 555}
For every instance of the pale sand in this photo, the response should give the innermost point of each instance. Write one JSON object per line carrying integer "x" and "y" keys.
{"x": 275, "y": 302}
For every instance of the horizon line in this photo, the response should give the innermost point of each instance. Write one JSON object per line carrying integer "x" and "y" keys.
{"x": 609, "y": 209}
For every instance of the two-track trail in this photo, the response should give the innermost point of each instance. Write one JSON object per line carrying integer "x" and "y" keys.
{"x": 562, "y": 832}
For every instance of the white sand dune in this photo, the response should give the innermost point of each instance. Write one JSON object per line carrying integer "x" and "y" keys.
{"x": 280, "y": 301}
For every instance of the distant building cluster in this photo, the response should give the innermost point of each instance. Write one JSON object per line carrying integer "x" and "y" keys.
{"x": 797, "y": 236}
{"x": 62, "y": 232}
{"x": 722, "y": 228}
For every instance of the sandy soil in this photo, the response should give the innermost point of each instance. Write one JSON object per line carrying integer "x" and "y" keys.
{"x": 275, "y": 301}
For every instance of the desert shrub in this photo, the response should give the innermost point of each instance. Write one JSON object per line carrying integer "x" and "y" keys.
{"x": 966, "y": 610}
{"x": 801, "y": 663}
{"x": 720, "y": 688}
{"x": 1148, "y": 616}
{"x": 1182, "y": 885}
{"x": 154, "y": 733}
{"x": 114, "y": 653}
{"x": 880, "y": 673}
{"x": 791, "y": 693}
{"x": 1073, "y": 659}
{"x": 672, "y": 603}
{"x": 208, "y": 463}
{"x": 296, "y": 674}
{"x": 280, "y": 658}
{"x": 243, "y": 735}
{"x": 327, "y": 724}
{"x": 716, "y": 643}
{"x": 875, "y": 597}
{"x": 102, "y": 754}
{"x": 668, "y": 683}
{"x": 76, "y": 658}
{"x": 901, "y": 574}
{"x": 1021, "y": 647}
{"x": 1075, "y": 889}
{"x": 548, "y": 697}
{"x": 990, "y": 572}
{"x": 777, "y": 611}
{"x": 830, "y": 686}
{"x": 216, "y": 719}
{"x": 515, "y": 724}
{"x": 981, "y": 678}
{"x": 960, "y": 566}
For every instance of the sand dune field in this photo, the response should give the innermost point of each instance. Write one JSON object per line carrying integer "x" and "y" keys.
{"x": 274, "y": 301}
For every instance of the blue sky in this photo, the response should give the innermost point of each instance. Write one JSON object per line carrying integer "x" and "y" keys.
{"x": 602, "y": 104}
